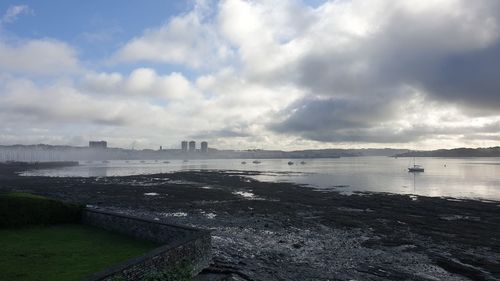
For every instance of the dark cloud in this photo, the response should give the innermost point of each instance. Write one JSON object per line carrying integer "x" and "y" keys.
{"x": 453, "y": 57}
{"x": 353, "y": 120}
{"x": 450, "y": 58}
{"x": 472, "y": 79}
{"x": 339, "y": 120}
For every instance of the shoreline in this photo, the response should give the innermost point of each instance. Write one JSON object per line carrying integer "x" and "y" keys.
{"x": 283, "y": 231}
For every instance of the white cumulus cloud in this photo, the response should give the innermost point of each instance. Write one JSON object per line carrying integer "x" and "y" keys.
{"x": 191, "y": 40}
{"x": 39, "y": 56}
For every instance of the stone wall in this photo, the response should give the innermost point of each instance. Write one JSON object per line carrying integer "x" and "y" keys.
{"x": 180, "y": 244}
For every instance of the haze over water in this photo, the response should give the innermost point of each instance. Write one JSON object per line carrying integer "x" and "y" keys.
{"x": 477, "y": 178}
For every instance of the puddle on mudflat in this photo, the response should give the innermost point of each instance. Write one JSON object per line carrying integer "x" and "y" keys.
{"x": 151, "y": 194}
{"x": 177, "y": 214}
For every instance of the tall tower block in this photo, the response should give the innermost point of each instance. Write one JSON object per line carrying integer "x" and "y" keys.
{"x": 204, "y": 147}
{"x": 192, "y": 146}
{"x": 184, "y": 146}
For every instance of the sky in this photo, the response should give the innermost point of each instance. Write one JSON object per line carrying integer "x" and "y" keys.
{"x": 271, "y": 74}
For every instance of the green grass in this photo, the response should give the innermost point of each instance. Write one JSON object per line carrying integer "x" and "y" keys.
{"x": 23, "y": 195}
{"x": 22, "y": 209}
{"x": 62, "y": 252}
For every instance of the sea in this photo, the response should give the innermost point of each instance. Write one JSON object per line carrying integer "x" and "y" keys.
{"x": 462, "y": 178}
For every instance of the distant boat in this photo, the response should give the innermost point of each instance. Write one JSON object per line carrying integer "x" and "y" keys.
{"x": 415, "y": 167}
{"x": 243, "y": 162}
{"x": 302, "y": 162}
{"x": 185, "y": 160}
{"x": 166, "y": 162}
{"x": 142, "y": 161}
{"x": 290, "y": 163}
{"x": 256, "y": 162}
{"x": 105, "y": 161}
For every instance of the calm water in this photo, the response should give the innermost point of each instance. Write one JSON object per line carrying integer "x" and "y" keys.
{"x": 456, "y": 177}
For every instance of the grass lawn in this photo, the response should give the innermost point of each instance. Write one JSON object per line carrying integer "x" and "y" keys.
{"x": 62, "y": 252}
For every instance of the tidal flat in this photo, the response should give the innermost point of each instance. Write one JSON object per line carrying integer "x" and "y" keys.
{"x": 284, "y": 231}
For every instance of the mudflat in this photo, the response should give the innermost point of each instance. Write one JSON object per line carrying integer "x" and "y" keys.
{"x": 283, "y": 231}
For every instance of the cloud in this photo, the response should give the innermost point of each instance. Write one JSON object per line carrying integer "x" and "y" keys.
{"x": 61, "y": 110}
{"x": 190, "y": 40}
{"x": 39, "y": 56}
{"x": 225, "y": 133}
{"x": 414, "y": 119}
{"x": 349, "y": 63}
{"x": 469, "y": 79}
{"x": 143, "y": 83}
{"x": 120, "y": 108}
{"x": 341, "y": 120}
{"x": 357, "y": 51}
{"x": 102, "y": 36}
{"x": 272, "y": 74}
{"x": 13, "y": 13}
{"x": 358, "y": 47}
{"x": 24, "y": 100}
{"x": 264, "y": 35}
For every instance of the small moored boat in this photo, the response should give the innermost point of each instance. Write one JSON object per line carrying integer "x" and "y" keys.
{"x": 415, "y": 167}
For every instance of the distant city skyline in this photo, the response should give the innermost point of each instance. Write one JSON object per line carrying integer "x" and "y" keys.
{"x": 286, "y": 75}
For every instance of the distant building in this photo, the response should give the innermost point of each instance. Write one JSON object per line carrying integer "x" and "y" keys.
{"x": 184, "y": 146}
{"x": 98, "y": 144}
{"x": 204, "y": 146}
{"x": 192, "y": 146}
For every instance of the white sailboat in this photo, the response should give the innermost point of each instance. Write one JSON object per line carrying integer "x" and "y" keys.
{"x": 415, "y": 167}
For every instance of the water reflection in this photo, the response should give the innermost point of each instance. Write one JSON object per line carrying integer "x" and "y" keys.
{"x": 414, "y": 176}
{"x": 471, "y": 177}
{"x": 98, "y": 171}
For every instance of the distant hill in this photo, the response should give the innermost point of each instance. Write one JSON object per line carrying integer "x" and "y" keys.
{"x": 455, "y": 152}
{"x": 375, "y": 151}
{"x": 314, "y": 153}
